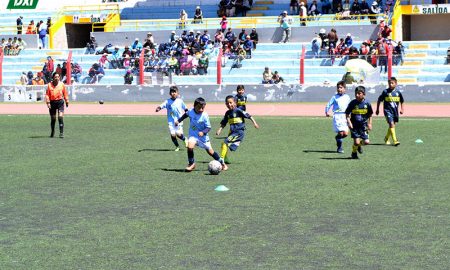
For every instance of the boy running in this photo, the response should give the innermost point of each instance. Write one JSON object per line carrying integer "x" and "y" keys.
{"x": 241, "y": 97}
{"x": 339, "y": 102}
{"x": 235, "y": 117}
{"x": 198, "y": 133}
{"x": 175, "y": 108}
{"x": 391, "y": 98}
{"x": 359, "y": 119}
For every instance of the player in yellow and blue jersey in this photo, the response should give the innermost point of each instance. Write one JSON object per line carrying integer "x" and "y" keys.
{"x": 339, "y": 102}
{"x": 235, "y": 118}
{"x": 175, "y": 108}
{"x": 199, "y": 127}
{"x": 359, "y": 119}
{"x": 241, "y": 97}
{"x": 391, "y": 98}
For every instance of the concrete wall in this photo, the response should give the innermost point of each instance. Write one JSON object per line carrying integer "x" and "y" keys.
{"x": 266, "y": 35}
{"x": 214, "y": 93}
{"x": 430, "y": 27}
{"x": 31, "y": 40}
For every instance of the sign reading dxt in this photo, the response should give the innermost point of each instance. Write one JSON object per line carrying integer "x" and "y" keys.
{"x": 22, "y": 4}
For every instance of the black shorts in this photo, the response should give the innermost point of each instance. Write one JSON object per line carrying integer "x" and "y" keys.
{"x": 234, "y": 139}
{"x": 56, "y": 105}
{"x": 359, "y": 132}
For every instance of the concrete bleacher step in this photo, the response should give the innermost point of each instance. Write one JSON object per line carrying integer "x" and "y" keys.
{"x": 407, "y": 80}
{"x": 412, "y": 63}
{"x": 260, "y": 8}
{"x": 419, "y": 46}
{"x": 251, "y": 14}
{"x": 423, "y": 55}
{"x": 263, "y": 3}
{"x": 408, "y": 71}
{"x": 54, "y": 53}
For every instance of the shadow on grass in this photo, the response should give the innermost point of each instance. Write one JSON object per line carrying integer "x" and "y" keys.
{"x": 336, "y": 158}
{"x": 39, "y": 137}
{"x": 156, "y": 150}
{"x": 380, "y": 144}
{"x": 318, "y": 151}
{"x": 173, "y": 170}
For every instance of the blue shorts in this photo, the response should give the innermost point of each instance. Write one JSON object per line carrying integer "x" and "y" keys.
{"x": 234, "y": 139}
{"x": 391, "y": 117}
{"x": 360, "y": 132}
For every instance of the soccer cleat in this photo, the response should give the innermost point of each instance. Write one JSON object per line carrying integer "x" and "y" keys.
{"x": 224, "y": 167}
{"x": 177, "y": 149}
{"x": 360, "y": 149}
{"x": 397, "y": 143}
{"x": 52, "y": 134}
{"x": 190, "y": 167}
{"x": 340, "y": 150}
{"x": 61, "y": 135}
{"x": 355, "y": 156}
{"x": 387, "y": 141}
{"x": 226, "y": 160}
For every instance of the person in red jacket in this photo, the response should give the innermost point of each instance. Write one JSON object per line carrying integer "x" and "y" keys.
{"x": 55, "y": 98}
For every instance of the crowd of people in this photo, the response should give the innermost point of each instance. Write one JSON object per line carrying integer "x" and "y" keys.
{"x": 40, "y": 28}
{"x": 13, "y": 46}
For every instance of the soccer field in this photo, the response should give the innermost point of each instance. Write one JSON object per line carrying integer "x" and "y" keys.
{"x": 113, "y": 195}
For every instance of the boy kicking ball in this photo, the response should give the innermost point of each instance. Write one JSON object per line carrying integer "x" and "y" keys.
{"x": 199, "y": 127}
{"x": 359, "y": 119}
{"x": 175, "y": 108}
{"x": 235, "y": 117}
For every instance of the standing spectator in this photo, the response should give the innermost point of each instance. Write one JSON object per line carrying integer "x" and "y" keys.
{"x": 19, "y": 25}
{"x": 326, "y": 6}
{"x": 128, "y": 78}
{"x": 355, "y": 8}
{"x": 313, "y": 9}
{"x": 183, "y": 19}
{"x": 383, "y": 48}
{"x": 38, "y": 26}
{"x": 316, "y": 43}
{"x": 248, "y": 47}
{"x": 293, "y": 7}
{"x": 333, "y": 37}
{"x": 38, "y": 79}
{"x": 336, "y": 4}
{"x": 386, "y": 32}
{"x": 42, "y": 36}
{"x": 364, "y": 9}
{"x": 285, "y": 23}
{"x": 303, "y": 13}
{"x": 103, "y": 59}
{"x": 115, "y": 58}
{"x": 76, "y": 72}
{"x": 374, "y": 11}
{"x": 223, "y": 24}
{"x": 31, "y": 29}
{"x": 198, "y": 15}
{"x": 399, "y": 51}
{"x": 91, "y": 46}
{"x": 254, "y": 38}
{"x": 24, "y": 78}
{"x": 49, "y": 24}
{"x": 55, "y": 97}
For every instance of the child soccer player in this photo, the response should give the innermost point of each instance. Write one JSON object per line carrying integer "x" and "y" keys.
{"x": 339, "y": 102}
{"x": 241, "y": 97}
{"x": 175, "y": 108}
{"x": 391, "y": 98}
{"x": 235, "y": 117}
{"x": 359, "y": 119}
{"x": 198, "y": 133}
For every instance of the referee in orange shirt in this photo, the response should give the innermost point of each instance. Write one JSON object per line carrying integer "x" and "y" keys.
{"x": 55, "y": 97}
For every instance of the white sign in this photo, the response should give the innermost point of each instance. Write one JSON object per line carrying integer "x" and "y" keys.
{"x": 431, "y": 9}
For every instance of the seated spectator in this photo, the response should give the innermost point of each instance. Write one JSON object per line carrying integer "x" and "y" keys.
{"x": 348, "y": 78}
{"x": 276, "y": 78}
{"x": 267, "y": 76}
{"x": 248, "y": 47}
{"x": 332, "y": 37}
{"x": 242, "y": 36}
{"x": 136, "y": 48}
{"x": 183, "y": 19}
{"x": 374, "y": 11}
{"x": 348, "y": 40}
{"x": 38, "y": 80}
{"x": 58, "y": 70}
{"x": 173, "y": 65}
{"x": 355, "y": 9}
{"x": 386, "y": 32}
{"x": 254, "y": 38}
{"x": 198, "y": 15}
{"x": 326, "y": 6}
{"x": 128, "y": 77}
{"x": 30, "y": 77}
{"x": 162, "y": 65}
{"x": 103, "y": 59}
{"x": 316, "y": 43}
{"x": 203, "y": 63}
{"x": 399, "y": 51}
{"x": 76, "y": 72}
{"x": 345, "y": 15}
{"x": 96, "y": 73}
{"x": 24, "y": 78}
{"x": 115, "y": 58}
{"x": 364, "y": 8}
{"x": 313, "y": 9}
{"x": 19, "y": 46}
{"x": 218, "y": 37}
{"x": 91, "y": 46}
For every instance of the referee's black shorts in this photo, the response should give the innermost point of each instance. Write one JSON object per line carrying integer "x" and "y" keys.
{"x": 56, "y": 105}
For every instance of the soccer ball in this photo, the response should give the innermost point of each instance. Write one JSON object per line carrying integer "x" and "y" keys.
{"x": 214, "y": 167}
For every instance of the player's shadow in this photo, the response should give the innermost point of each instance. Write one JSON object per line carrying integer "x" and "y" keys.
{"x": 155, "y": 150}
{"x": 221, "y": 137}
{"x": 318, "y": 151}
{"x": 38, "y": 137}
{"x": 173, "y": 170}
{"x": 380, "y": 144}
{"x": 336, "y": 158}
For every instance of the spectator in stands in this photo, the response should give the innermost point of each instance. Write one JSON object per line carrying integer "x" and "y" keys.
{"x": 388, "y": 6}
{"x": 128, "y": 77}
{"x": 276, "y": 78}
{"x": 316, "y": 43}
{"x": 31, "y": 29}
{"x": 136, "y": 48}
{"x": 38, "y": 79}
{"x": 218, "y": 38}
{"x": 313, "y": 9}
{"x": 103, "y": 59}
{"x": 49, "y": 24}
{"x": 76, "y": 72}
{"x": 50, "y": 66}
{"x": 335, "y": 5}
{"x": 326, "y": 6}
{"x": 198, "y": 15}
{"x": 323, "y": 35}
{"x": 91, "y": 46}
{"x": 244, "y": 7}
{"x": 222, "y": 8}
{"x": 293, "y": 7}
{"x": 183, "y": 19}
{"x": 223, "y": 24}
{"x": 285, "y": 23}
{"x": 399, "y": 51}
{"x": 24, "y": 78}
{"x": 364, "y": 8}
{"x": 345, "y": 15}
{"x": 162, "y": 65}
{"x": 303, "y": 13}
{"x": 173, "y": 65}
{"x": 115, "y": 58}
{"x": 242, "y": 36}
{"x": 348, "y": 40}
{"x": 230, "y": 8}
{"x": 229, "y": 36}
{"x": 19, "y": 25}
{"x": 382, "y": 55}
{"x": 374, "y": 11}
{"x": 20, "y": 46}
{"x": 355, "y": 9}
{"x": 248, "y": 47}
{"x": 38, "y": 25}
{"x": 42, "y": 36}
{"x": 204, "y": 38}
{"x": 58, "y": 70}
{"x": 254, "y": 38}
{"x": 333, "y": 37}
{"x": 386, "y": 32}
{"x": 30, "y": 77}
{"x": 203, "y": 64}
{"x": 126, "y": 61}
{"x": 364, "y": 51}
{"x": 96, "y": 73}
{"x": 267, "y": 76}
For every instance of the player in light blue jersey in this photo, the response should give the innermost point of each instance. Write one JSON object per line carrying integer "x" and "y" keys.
{"x": 339, "y": 103}
{"x": 175, "y": 109}
{"x": 199, "y": 127}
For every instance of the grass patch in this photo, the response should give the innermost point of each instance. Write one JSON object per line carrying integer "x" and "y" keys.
{"x": 112, "y": 195}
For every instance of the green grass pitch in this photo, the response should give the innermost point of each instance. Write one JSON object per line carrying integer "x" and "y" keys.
{"x": 112, "y": 195}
